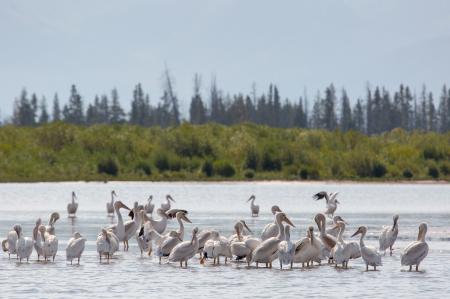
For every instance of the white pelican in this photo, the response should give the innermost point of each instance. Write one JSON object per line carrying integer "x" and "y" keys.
{"x": 266, "y": 252}
{"x": 171, "y": 240}
{"x": 131, "y": 226}
{"x": 203, "y": 236}
{"x": 158, "y": 225}
{"x": 308, "y": 250}
{"x": 38, "y": 241}
{"x": 50, "y": 246}
{"x": 149, "y": 206}
{"x": 110, "y": 205}
{"x": 369, "y": 254}
{"x": 50, "y": 228}
{"x": 243, "y": 246}
{"x": 254, "y": 209}
{"x": 72, "y": 206}
{"x": 328, "y": 241}
{"x": 416, "y": 251}
{"x": 119, "y": 228}
{"x": 75, "y": 247}
{"x": 9, "y": 244}
{"x": 342, "y": 252}
{"x": 271, "y": 229}
{"x": 107, "y": 244}
{"x": 244, "y": 230}
{"x": 334, "y": 231}
{"x": 286, "y": 249}
{"x": 24, "y": 246}
{"x": 388, "y": 236}
{"x": 331, "y": 201}
{"x": 216, "y": 247}
{"x": 145, "y": 244}
{"x": 185, "y": 250}
{"x": 166, "y": 206}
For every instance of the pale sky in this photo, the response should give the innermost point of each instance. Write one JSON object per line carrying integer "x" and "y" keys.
{"x": 46, "y": 46}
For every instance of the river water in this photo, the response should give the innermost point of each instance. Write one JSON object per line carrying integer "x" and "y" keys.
{"x": 218, "y": 206}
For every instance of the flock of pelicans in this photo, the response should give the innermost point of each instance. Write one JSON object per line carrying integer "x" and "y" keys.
{"x": 274, "y": 242}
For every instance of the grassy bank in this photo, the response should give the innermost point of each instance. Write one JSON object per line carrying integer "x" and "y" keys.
{"x": 60, "y": 152}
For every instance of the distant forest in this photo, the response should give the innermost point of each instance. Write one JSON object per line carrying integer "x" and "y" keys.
{"x": 379, "y": 111}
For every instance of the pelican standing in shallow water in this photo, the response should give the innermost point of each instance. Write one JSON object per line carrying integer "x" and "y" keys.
{"x": 72, "y": 207}
{"x": 110, "y": 205}
{"x": 131, "y": 226}
{"x": 334, "y": 231}
{"x": 253, "y": 208}
{"x": 185, "y": 250}
{"x": 342, "y": 252}
{"x": 369, "y": 254}
{"x": 416, "y": 251}
{"x": 242, "y": 245}
{"x": 328, "y": 241}
{"x": 107, "y": 243}
{"x": 166, "y": 206}
{"x": 50, "y": 246}
{"x": 271, "y": 229}
{"x": 308, "y": 250}
{"x": 38, "y": 241}
{"x": 286, "y": 249}
{"x": 50, "y": 228}
{"x": 331, "y": 201}
{"x": 24, "y": 246}
{"x": 9, "y": 244}
{"x": 266, "y": 252}
{"x": 119, "y": 228}
{"x": 149, "y": 207}
{"x": 388, "y": 236}
{"x": 158, "y": 225}
{"x": 75, "y": 247}
{"x": 171, "y": 240}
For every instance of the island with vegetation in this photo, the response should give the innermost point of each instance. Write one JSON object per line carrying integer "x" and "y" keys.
{"x": 60, "y": 152}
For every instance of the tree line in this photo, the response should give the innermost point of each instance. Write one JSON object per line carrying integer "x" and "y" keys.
{"x": 379, "y": 111}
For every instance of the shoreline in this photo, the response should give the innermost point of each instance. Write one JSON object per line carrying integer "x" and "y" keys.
{"x": 381, "y": 182}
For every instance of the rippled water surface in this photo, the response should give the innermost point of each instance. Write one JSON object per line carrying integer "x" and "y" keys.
{"x": 218, "y": 206}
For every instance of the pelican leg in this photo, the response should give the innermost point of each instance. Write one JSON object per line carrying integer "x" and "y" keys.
{"x": 281, "y": 265}
{"x": 214, "y": 261}
{"x": 303, "y": 265}
{"x": 218, "y": 260}
{"x": 417, "y": 268}
{"x": 78, "y": 260}
{"x": 185, "y": 263}
{"x": 71, "y": 261}
{"x": 226, "y": 260}
{"x": 256, "y": 265}
{"x": 267, "y": 265}
{"x": 270, "y": 265}
{"x": 292, "y": 264}
{"x": 410, "y": 268}
{"x": 107, "y": 256}
{"x": 374, "y": 268}
{"x": 390, "y": 249}
{"x": 54, "y": 258}
{"x": 100, "y": 257}
{"x": 367, "y": 267}
{"x": 181, "y": 264}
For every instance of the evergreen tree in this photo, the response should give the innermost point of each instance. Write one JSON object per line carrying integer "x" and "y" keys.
{"x": 432, "y": 119}
{"x": 117, "y": 115}
{"x": 44, "y": 117}
{"x": 56, "y": 109}
{"x": 73, "y": 112}
{"x": 329, "y": 111}
{"x": 358, "y": 116}
{"x": 197, "y": 110}
{"x": 346, "y": 113}
{"x": 23, "y": 114}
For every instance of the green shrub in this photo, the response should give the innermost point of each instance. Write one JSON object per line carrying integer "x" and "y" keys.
{"x": 433, "y": 172}
{"x": 378, "y": 169}
{"x": 108, "y": 166}
{"x": 224, "y": 168}
{"x": 249, "y": 173}
{"x": 303, "y": 174}
{"x": 162, "y": 162}
{"x": 432, "y": 153}
{"x": 251, "y": 160}
{"x": 270, "y": 163}
{"x": 144, "y": 167}
{"x": 207, "y": 168}
{"x": 407, "y": 173}
{"x": 445, "y": 169}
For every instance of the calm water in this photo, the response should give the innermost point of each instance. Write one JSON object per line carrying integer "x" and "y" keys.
{"x": 218, "y": 206}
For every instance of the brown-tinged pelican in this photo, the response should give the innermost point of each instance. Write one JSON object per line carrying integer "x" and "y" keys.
{"x": 388, "y": 236}
{"x": 416, "y": 251}
{"x": 342, "y": 252}
{"x": 166, "y": 206}
{"x": 369, "y": 254}
{"x": 308, "y": 249}
{"x": 328, "y": 241}
{"x": 50, "y": 246}
{"x": 271, "y": 229}
{"x": 266, "y": 252}
{"x": 24, "y": 245}
{"x": 334, "y": 230}
{"x": 9, "y": 244}
{"x": 107, "y": 243}
{"x": 110, "y": 205}
{"x": 119, "y": 228}
{"x": 242, "y": 246}
{"x": 50, "y": 228}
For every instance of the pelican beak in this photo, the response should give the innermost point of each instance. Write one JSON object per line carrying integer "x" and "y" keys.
{"x": 337, "y": 201}
{"x": 289, "y": 222}
{"x": 246, "y": 227}
{"x": 356, "y": 233}
{"x": 186, "y": 219}
{"x": 125, "y": 207}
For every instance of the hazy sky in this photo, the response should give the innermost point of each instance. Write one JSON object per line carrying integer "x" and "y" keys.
{"x": 46, "y": 46}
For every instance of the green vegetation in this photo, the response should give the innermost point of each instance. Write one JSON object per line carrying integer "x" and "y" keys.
{"x": 60, "y": 151}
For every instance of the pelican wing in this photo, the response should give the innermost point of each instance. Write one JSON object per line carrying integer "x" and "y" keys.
{"x": 269, "y": 231}
{"x": 167, "y": 245}
{"x": 414, "y": 253}
{"x": 75, "y": 247}
{"x": 182, "y": 251}
{"x": 264, "y": 252}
